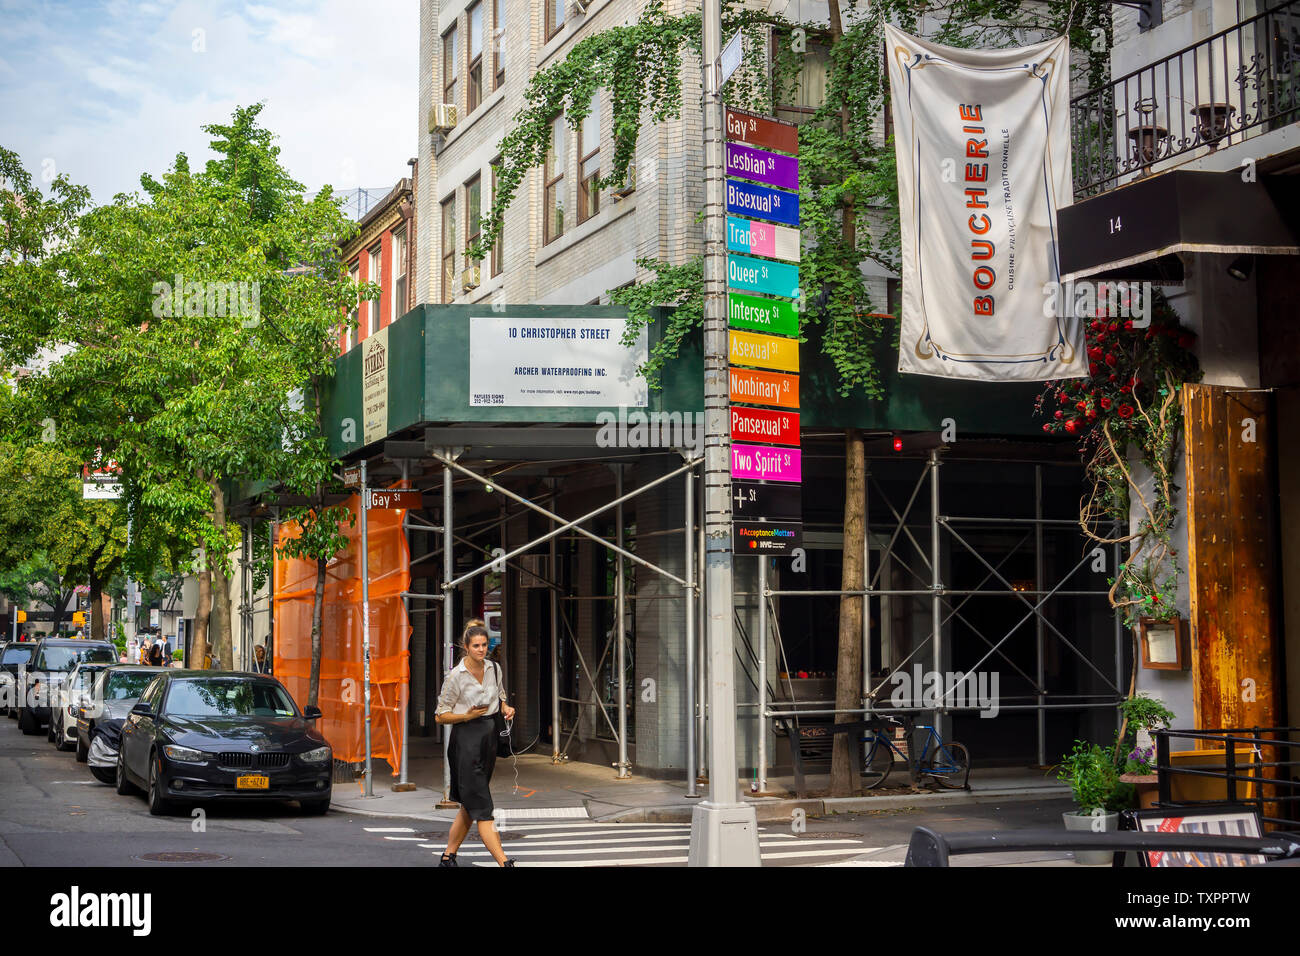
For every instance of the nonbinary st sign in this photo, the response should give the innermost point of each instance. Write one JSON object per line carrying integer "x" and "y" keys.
{"x": 983, "y": 151}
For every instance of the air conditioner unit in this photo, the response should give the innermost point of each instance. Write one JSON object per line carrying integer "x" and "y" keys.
{"x": 442, "y": 117}
{"x": 470, "y": 279}
{"x": 628, "y": 188}
{"x": 578, "y": 8}
{"x": 535, "y": 571}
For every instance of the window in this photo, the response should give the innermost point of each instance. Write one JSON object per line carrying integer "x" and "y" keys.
{"x": 475, "y": 74}
{"x": 553, "y": 206}
{"x": 449, "y": 248}
{"x": 499, "y": 22}
{"x": 473, "y": 216}
{"x": 802, "y": 97}
{"x": 376, "y": 276}
{"x": 450, "y": 66}
{"x": 589, "y": 161}
{"x": 354, "y": 316}
{"x": 554, "y": 16}
{"x": 498, "y": 259}
{"x": 399, "y": 275}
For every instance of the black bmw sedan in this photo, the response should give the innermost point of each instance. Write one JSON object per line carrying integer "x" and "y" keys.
{"x": 203, "y": 735}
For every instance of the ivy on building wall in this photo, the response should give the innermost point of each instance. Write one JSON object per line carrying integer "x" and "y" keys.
{"x": 1127, "y": 409}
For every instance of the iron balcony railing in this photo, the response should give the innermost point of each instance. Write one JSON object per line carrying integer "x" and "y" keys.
{"x": 1256, "y": 766}
{"x": 1239, "y": 83}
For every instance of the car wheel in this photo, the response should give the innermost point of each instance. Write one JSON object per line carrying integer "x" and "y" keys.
{"x": 314, "y": 808}
{"x": 103, "y": 775}
{"x": 82, "y": 750}
{"x": 27, "y": 722}
{"x": 124, "y": 786}
{"x": 158, "y": 805}
{"x": 51, "y": 733}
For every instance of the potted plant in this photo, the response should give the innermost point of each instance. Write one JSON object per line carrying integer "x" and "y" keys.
{"x": 1135, "y": 754}
{"x": 1098, "y": 793}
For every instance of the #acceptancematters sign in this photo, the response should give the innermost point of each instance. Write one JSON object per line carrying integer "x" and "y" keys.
{"x": 554, "y": 361}
{"x": 983, "y": 147}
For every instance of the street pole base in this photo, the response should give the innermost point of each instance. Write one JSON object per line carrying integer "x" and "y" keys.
{"x": 446, "y": 805}
{"x": 724, "y": 835}
{"x": 403, "y": 787}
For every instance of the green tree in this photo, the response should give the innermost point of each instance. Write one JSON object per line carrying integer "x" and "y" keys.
{"x": 847, "y": 183}
{"x": 201, "y": 310}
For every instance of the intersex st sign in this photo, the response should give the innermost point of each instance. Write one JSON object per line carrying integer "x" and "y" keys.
{"x": 395, "y": 498}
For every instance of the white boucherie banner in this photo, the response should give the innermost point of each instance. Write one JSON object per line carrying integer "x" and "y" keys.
{"x": 983, "y": 147}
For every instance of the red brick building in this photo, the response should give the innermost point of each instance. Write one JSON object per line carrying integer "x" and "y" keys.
{"x": 383, "y": 251}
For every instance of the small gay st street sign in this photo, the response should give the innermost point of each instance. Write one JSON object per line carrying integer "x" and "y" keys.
{"x": 762, "y": 131}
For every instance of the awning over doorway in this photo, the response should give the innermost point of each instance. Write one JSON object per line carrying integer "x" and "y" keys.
{"x": 1136, "y": 231}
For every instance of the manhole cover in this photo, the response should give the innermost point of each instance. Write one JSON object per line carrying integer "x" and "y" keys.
{"x": 180, "y": 856}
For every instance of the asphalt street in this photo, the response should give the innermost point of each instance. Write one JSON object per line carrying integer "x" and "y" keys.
{"x": 53, "y": 813}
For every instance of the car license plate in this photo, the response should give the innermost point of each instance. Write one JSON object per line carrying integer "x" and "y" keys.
{"x": 252, "y": 782}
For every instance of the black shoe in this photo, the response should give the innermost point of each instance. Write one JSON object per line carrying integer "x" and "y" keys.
{"x": 448, "y": 859}
{"x": 508, "y": 862}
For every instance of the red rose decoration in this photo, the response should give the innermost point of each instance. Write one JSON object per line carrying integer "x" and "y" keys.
{"x": 1185, "y": 341}
{"x": 1114, "y": 326}
{"x": 1111, "y": 361}
{"x": 1093, "y": 368}
{"x": 1113, "y": 378}
{"x": 1094, "y": 352}
{"x": 1105, "y": 402}
{"x": 1128, "y": 326}
{"x": 1081, "y": 405}
{"x": 1072, "y": 425}
{"x": 1092, "y": 414}
{"x": 1126, "y": 411}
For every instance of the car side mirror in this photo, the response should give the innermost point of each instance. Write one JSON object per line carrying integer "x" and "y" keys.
{"x": 142, "y": 709}
{"x": 312, "y": 712}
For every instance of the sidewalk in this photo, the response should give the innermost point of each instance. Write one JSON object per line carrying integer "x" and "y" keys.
{"x": 529, "y": 786}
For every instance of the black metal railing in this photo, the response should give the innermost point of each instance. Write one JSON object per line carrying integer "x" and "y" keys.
{"x": 1241, "y": 82}
{"x": 1255, "y": 766}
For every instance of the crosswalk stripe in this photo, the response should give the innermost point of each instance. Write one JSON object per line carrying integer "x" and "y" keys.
{"x": 412, "y": 839}
{"x": 586, "y": 848}
{"x": 798, "y": 853}
{"x": 630, "y": 861}
{"x": 511, "y": 825}
{"x": 389, "y": 829}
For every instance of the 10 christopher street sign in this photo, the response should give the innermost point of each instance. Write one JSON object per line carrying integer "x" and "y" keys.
{"x": 762, "y": 232}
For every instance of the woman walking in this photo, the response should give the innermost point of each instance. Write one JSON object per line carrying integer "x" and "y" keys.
{"x": 470, "y": 696}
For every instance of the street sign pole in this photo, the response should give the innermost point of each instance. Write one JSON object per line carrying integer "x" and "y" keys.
{"x": 724, "y": 831}
{"x": 365, "y": 619}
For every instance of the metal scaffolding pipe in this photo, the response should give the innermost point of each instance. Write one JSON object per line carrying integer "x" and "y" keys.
{"x": 448, "y": 609}
{"x": 624, "y": 768}
{"x": 936, "y": 611}
{"x": 1038, "y": 622}
{"x": 762, "y": 672}
{"x": 555, "y": 649}
{"x": 862, "y": 710}
{"x": 689, "y": 608}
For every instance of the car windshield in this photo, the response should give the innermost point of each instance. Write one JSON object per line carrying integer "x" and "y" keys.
{"x": 126, "y": 685}
{"x": 229, "y": 697}
{"x": 64, "y": 657}
{"x": 86, "y": 677}
{"x": 16, "y": 655}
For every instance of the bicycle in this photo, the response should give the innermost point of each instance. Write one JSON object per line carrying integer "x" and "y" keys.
{"x": 946, "y": 762}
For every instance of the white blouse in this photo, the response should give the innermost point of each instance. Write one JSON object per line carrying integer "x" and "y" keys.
{"x": 461, "y": 691}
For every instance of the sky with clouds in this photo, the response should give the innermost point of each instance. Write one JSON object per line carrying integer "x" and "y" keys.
{"x": 104, "y": 91}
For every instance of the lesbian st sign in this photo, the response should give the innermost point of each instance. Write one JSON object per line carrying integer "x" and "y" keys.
{"x": 761, "y": 166}
{"x": 749, "y": 199}
{"x": 757, "y": 463}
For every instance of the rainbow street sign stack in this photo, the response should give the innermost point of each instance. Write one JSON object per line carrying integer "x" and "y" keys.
{"x": 762, "y": 331}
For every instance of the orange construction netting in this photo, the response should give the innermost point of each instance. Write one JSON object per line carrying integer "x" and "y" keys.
{"x": 341, "y": 696}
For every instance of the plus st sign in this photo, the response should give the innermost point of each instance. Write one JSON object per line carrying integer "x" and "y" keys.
{"x": 740, "y": 499}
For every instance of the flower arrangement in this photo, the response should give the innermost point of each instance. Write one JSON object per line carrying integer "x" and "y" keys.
{"x": 1128, "y": 407}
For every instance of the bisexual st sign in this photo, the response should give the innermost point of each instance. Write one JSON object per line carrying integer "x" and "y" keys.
{"x": 760, "y": 202}
{"x": 773, "y": 169}
{"x": 757, "y": 463}
{"x": 762, "y": 239}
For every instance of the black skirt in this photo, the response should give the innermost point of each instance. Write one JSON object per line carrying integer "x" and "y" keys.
{"x": 473, "y": 756}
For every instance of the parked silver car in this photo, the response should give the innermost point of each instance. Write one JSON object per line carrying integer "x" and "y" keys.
{"x": 99, "y": 725}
